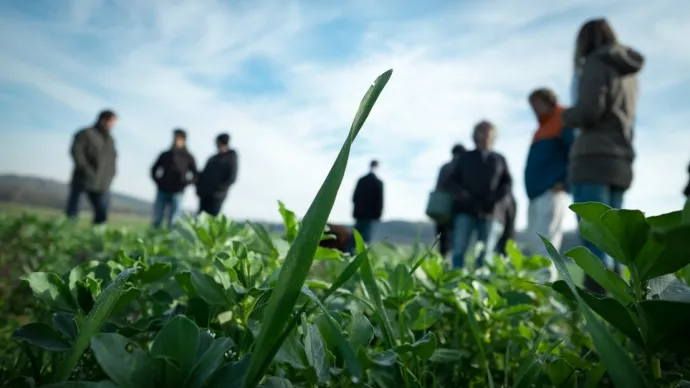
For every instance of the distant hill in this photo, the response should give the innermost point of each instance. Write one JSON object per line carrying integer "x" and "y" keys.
{"x": 49, "y": 193}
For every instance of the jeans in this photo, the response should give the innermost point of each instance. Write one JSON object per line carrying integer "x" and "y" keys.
{"x": 545, "y": 217}
{"x": 172, "y": 202}
{"x": 488, "y": 232}
{"x": 210, "y": 205}
{"x": 365, "y": 228}
{"x": 610, "y": 196}
{"x": 99, "y": 202}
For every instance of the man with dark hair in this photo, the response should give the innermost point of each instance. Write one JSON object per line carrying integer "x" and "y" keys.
{"x": 546, "y": 174}
{"x": 479, "y": 184}
{"x": 368, "y": 202}
{"x": 445, "y": 230}
{"x": 93, "y": 153}
{"x": 218, "y": 175}
{"x": 172, "y": 172}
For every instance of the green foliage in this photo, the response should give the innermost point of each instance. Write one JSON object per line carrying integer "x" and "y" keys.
{"x": 215, "y": 303}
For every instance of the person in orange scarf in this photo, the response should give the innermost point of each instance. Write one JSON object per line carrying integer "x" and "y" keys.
{"x": 546, "y": 173}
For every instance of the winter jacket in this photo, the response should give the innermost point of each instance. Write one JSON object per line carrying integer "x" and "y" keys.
{"x": 547, "y": 160}
{"x": 368, "y": 198}
{"x": 174, "y": 170}
{"x": 94, "y": 155}
{"x": 604, "y": 113}
{"x": 218, "y": 175}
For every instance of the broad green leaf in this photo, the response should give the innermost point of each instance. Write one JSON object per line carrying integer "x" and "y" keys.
{"x": 292, "y": 352}
{"x": 276, "y": 382}
{"x": 211, "y": 360}
{"x": 526, "y": 373}
{"x": 230, "y": 375}
{"x": 208, "y": 289}
{"x": 608, "y": 308}
{"x": 629, "y": 229}
{"x": 425, "y": 318}
{"x": 423, "y": 348}
{"x": 595, "y": 375}
{"x": 122, "y": 360}
{"x": 92, "y": 324}
{"x": 167, "y": 372}
{"x": 361, "y": 332}
{"x": 449, "y": 356}
{"x": 316, "y": 351}
{"x": 666, "y": 220}
{"x": 605, "y": 277}
{"x": 383, "y": 359}
{"x": 127, "y": 296}
{"x": 153, "y": 272}
{"x": 49, "y": 288}
{"x": 674, "y": 255}
{"x": 64, "y": 323}
{"x": 562, "y": 374}
{"x": 621, "y": 367}
{"x": 299, "y": 258}
{"x": 178, "y": 341}
{"x": 289, "y": 222}
{"x": 665, "y": 325}
{"x": 594, "y": 230}
{"x": 476, "y": 335}
{"x": 41, "y": 335}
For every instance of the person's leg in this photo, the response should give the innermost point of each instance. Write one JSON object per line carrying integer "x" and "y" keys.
{"x": 72, "y": 209}
{"x": 545, "y": 216}
{"x": 494, "y": 230}
{"x": 99, "y": 203}
{"x": 215, "y": 205}
{"x": 158, "y": 209}
{"x": 616, "y": 202}
{"x": 442, "y": 232}
{"x": 463, "y": 227}
{"x": 364, "y": 229}
{"x": 174, "y": 203}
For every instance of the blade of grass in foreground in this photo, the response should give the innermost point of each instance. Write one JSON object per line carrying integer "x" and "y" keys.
{"x": 300, "y": 256}
{"x": 620, "y": 366}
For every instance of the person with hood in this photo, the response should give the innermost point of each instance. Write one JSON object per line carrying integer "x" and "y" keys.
{"x": 445, "y": 230}
{"x": 480, "y": 185}
{"x": 94, "y": 155}
{"x": 172, "y": 172}
{"x": 368, "y": 202}
{"x": 217, "y": 176}
{"x": 603, "y": 111}
{"x": 546, "y": 174}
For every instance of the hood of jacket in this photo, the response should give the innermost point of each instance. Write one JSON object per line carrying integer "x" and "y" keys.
{"x": 622, "y": 58}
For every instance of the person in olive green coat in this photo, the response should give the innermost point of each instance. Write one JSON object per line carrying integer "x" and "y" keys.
{"x": 94, "y": 155}
{"x": 604, "y": 110}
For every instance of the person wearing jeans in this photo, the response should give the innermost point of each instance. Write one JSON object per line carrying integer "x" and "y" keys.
{"x": 480, "y": 185}
{"x": 602, "y": 155}
{"x": 219, "y": 174}
{"x": 94, "y": 155}
{"x": 546, "y": 174}
{"x": 445, "y": 229}
{"x": 173, "y": 171}
{"x": 368, "y": 202}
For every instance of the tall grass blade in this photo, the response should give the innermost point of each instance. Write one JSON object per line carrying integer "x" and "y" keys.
{"x": 300, "y": 256}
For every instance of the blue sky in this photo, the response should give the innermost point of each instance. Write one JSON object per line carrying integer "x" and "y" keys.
{"x": 285, "y": 78}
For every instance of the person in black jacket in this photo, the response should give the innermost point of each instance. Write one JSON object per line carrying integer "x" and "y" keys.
{"x": 218, "y": 175}
{"x": 480, "y": 184}
{"x": 445, "y": 230}
{"x": 94, "y": 155}
{"x": 172, "y": 172}
{"x": 368, "y": 202}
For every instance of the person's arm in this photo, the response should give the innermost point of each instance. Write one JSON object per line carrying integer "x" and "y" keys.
{"x": 505, "y": 185}
{"x": 592, "y": 94}
{"x": 193, "y": 169}
{"x": 229, "y": 174}
{"x": 156, "y": 166}
{"x": 568, "y": 137}
{"x": 78, "y": 152}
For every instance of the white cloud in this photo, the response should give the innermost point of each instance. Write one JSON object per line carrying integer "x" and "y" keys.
{"x": 451, "y": 68}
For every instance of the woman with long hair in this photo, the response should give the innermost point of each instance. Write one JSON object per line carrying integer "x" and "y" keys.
{"x": 603, "y": 111}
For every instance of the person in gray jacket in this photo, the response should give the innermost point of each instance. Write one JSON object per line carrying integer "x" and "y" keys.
{"x": 94, "y": 155}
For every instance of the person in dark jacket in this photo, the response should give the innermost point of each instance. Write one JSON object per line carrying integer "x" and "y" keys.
{"x": 510, "y": 208}
{"x": 94, "y": 156}
{"x": 368, "y": 202}
{"x": 480, "y": 184}
{"x": 546, "y": 175}
{"x": 218, "y": 175}
{"x": 604, "y": 111}
{"x": 445, "y": 230}
{"x": 172, "y": 172}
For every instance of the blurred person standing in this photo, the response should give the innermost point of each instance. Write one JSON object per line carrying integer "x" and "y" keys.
{"x": 546, "y": 174}
{"x": 604, "y": 110}
{"x": 480, "y": 185}
{"x": 94, "y": 155}
{"x": 445, "y": 229}
{"x": 510, "y": 208}
{"x": 368, "y": 202}
{"x": 687, "y": 188}
{"x": 172, "y": 172}
{"x": 217, "y": 176}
